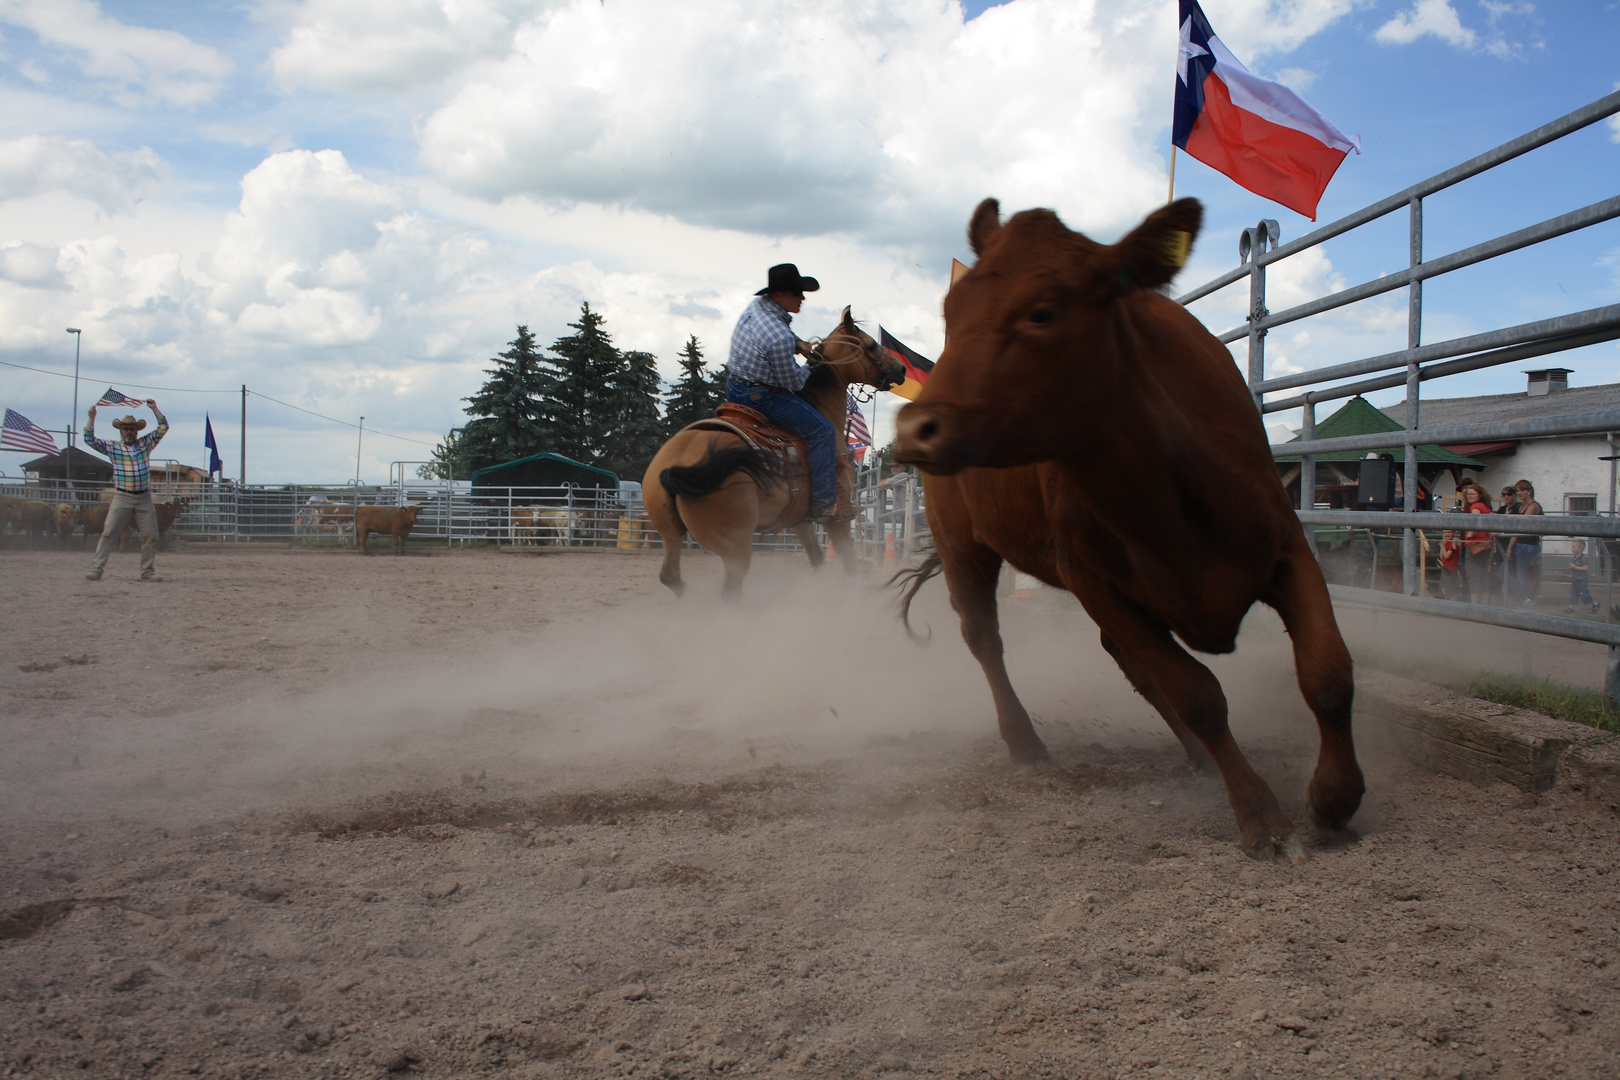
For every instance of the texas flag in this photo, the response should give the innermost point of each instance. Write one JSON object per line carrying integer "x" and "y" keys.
{"x": 1259, "y": 133}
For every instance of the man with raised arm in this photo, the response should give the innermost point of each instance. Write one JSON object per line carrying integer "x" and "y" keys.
{"x": 764, "y": 373}
{"x": 131, "y": 459}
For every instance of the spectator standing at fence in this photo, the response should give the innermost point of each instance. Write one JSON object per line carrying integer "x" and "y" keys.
{"x": 1453, "y": 585}
{"x": 131, "y": 459}
{"x": 1477, "y": 546}
{"x": 1524, "y": 550}
{"x": 1580, "y": 573}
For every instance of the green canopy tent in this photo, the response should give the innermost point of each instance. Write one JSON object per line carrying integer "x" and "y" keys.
{"x": 1338, "y": 474}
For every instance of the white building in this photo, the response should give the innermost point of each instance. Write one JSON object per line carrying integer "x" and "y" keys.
{"x": 1568, "y": 471}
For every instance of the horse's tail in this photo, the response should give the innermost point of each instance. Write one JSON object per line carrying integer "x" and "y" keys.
{"x": 911, "y": 580}
{"x": 709, "y": 475}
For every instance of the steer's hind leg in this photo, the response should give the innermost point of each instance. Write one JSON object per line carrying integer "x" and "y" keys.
{"x": 1139, "y": 678}
{"x": 1326, "y": 678}
{"x": 971, "y": 571}
{"x": 1194, "y": 695}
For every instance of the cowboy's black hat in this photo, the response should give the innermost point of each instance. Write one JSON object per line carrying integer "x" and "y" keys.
{"x": 786, "y": 278}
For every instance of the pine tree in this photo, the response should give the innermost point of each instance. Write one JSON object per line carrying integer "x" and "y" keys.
{"x": 511, "y": 417}
{"x": 449, "y": 459}
{"x": 637, "y": 429}
{"x": 582, "y": 402}
{"x": 693, "y": 395}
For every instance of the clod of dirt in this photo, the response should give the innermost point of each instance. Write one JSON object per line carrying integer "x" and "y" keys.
{"x": 633, "y": 991}
{"x": 27, "y": 921}
{"x": 86, "y": 658}
{"x": 440, "y": 888}
{"x": 400, "y": 1060}
{"x": 473, "y": 934}
{"x": 34, "y": 665}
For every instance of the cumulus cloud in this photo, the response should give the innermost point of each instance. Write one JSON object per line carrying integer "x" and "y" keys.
{"x": 1427, "y": 17}
{"x": 141, "y": 62}
{"x": 37, "y": 164}
{"x": 1510, "y": 27}
{"x": 380, "y": 46}
{"x": 31, "y": 265}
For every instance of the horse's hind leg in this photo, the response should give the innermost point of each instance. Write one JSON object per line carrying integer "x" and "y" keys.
{"x": 1326, "y": 678}
{"x": 1139, "y": 678}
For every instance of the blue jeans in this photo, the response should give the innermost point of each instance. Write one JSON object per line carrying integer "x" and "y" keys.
{"x": 1525, "y": 573}
{"x": 792, "y": 412}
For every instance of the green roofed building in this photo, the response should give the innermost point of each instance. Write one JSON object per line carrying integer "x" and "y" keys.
{"x": 1338, "y": 474}
{"x": 544, "y": 470}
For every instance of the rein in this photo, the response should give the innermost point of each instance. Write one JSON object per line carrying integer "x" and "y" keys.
{"x": 873, "y": 377}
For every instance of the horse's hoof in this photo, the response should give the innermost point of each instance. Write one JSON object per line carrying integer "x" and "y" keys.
{"x": 1288, "y": 848}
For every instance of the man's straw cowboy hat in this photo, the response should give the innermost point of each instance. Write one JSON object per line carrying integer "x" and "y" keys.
{"x": 129, "y": 422}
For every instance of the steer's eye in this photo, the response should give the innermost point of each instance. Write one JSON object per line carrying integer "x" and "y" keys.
{"x": 1042, "y": 316}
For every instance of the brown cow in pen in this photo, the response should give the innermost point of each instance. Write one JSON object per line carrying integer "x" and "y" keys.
{"x": 395, "y": 521}
{"x": 1090, "y": 431}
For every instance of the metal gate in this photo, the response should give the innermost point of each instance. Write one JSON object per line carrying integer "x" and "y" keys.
{"x": 1260, "y": 248}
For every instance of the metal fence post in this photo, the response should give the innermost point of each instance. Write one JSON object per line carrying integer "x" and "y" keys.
{"x": 1252, "y": 245}
{"x": 1414, "y": 334}
{"x": 908, "y": 546}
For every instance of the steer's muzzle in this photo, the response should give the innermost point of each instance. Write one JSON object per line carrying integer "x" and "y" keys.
{"x": 929, "y": 436}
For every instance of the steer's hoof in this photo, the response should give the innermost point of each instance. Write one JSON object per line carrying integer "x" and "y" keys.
{"x": 1288, "y": 848}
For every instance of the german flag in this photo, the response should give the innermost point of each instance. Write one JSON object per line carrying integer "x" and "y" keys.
{"x": 918, "y": 367}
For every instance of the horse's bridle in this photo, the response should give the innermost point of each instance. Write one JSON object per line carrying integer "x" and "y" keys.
{"x": 873, "y": 376}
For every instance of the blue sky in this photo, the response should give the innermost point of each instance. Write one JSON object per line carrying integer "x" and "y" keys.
{"x": 349, "y": 204}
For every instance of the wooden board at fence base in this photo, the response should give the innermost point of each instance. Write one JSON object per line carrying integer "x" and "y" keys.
{"x": 1465, "y": 737}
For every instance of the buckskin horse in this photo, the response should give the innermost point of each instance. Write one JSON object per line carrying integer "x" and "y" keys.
{"x": 718, "y": 482}
{"x": 1087, "y": 429}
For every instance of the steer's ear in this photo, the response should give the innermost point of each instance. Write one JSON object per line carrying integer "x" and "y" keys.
{"x": 1156, "y": 250}
{"x": 984, "y": 224}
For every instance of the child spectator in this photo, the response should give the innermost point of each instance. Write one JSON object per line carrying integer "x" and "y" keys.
{"x": 1580, "y": 571}
{"x": 1453, "y": 586}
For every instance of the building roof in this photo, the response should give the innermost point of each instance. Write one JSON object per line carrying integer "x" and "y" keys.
{"x": 544, "y": 470}
{"x": 1494, "y": 408}
{"x": 86, "y": 466}
{"x": 1358, "y": 417}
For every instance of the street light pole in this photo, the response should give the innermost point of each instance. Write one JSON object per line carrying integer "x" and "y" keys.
{"x": 78, "y": 340}
{"x": 358, "y": 442}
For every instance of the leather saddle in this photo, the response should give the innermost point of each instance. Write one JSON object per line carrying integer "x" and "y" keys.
{"x": 792, "y": 455}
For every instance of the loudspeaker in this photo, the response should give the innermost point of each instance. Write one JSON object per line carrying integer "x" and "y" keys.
{"x": 1377, "y": 486}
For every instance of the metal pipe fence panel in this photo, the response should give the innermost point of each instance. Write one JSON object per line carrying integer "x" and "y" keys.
{"x": 1259, "y": 248}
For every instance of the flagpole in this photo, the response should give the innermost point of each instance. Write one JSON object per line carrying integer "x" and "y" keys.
{"x": 1172, "y": 197}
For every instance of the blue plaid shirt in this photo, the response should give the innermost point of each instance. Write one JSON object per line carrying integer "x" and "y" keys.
{"x": 131, "y": 464}
{"x": 764, "y": 348}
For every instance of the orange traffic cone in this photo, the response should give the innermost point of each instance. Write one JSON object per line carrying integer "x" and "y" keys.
{"x": 832, "y": 552}
{"x": 889, "y": 556}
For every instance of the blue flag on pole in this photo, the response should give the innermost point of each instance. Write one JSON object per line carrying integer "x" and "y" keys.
{"x": 215, "y": 465}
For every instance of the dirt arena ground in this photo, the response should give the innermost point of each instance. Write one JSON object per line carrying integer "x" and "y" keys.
{"x": 297, "y": 813}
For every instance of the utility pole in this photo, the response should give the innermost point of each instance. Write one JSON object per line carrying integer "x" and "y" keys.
{"x": 358, "y": 442}
{"x": 78, "y": 339}
{"x": 244, "y": 436}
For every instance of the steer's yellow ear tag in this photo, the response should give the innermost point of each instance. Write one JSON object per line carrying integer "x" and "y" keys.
{"x": 1176, "y": 246}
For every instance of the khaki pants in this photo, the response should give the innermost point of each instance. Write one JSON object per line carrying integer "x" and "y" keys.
{"x": 123, "y": 506}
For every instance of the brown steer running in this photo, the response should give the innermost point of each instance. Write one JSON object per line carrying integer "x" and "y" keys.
{"x": 1085, "y": 428}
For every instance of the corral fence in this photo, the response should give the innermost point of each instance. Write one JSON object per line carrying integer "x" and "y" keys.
{"x": 891, "y": 518}
{"x": 1259, "y": 248}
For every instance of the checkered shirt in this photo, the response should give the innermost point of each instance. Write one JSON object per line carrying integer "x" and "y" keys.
{"x": 131, "y": 464}
{"x": 763, "y": 348}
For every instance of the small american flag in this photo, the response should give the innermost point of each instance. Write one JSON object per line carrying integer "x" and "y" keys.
{"x": 856, "y": 430}
{"x": 113, "y": 397}
{"x": 22, "y": 433}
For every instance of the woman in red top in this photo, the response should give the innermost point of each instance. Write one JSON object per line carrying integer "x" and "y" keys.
{"x": 1477, "y": 545}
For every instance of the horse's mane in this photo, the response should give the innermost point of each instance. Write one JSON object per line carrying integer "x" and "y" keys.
{"x": 822, "y": 383}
